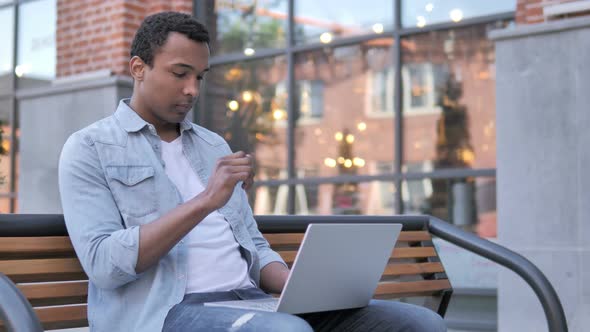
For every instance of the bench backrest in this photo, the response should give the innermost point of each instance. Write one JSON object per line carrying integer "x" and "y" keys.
{"x": 47, "y": 272}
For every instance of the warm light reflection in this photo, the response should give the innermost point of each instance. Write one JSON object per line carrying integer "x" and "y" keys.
{"x": 456, "y": 15}
{"x": 248, "y": 51}
{"x": 358, "y": 162}
{"x": 338, "y": 136}
{"x": 467, "y": 156}
{"x": 420, "y": 21}
{"x": 341, "y": 160}
{"x": 279, "y": 114}
{"x": 233, "y": 105}
{"x": 326, "y": 38}
{"x": 23, "y": 69}
{"x": 348, "y": 163}
{"x": 349, "y": 138}
{"x": 247, "y": 96}
{"x": 330, "y": 162}
{"x": 378, "y": 28}
{"x": 361, "y": 126}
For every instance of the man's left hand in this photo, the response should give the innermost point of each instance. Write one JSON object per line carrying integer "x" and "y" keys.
{"x": 247, "y": 184}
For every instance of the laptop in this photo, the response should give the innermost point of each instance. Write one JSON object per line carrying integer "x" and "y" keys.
{"x": 337, "y": 267}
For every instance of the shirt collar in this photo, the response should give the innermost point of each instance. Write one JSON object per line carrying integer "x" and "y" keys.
{"x": 132, "y": 122}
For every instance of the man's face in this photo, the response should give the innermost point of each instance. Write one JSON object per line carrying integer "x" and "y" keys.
{"x": 171, "y": 87}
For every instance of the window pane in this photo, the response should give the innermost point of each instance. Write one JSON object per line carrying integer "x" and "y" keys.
{"x": 245, "y": 26}
{"x": 36, "y": 43}
{"x": 468, "y": 203}
{"x": 6, "y": 48}
{"x": 5, "y": 144}
{"x": 449, "y": 99}
{"x": 420, "y": 13}
{"x": 4, "y": 204}
{"x": 323, "y": 21}
{"x": 367, "y": 198}
{"x": 344, "y": 110}
{"x": 242, "y": 101}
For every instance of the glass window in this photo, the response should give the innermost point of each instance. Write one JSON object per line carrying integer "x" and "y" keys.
{"x": 246, "y": 26}
{"x": 5, "y": 144}
{"x": 6, "y": 49}
{"x": 367, "y": 198}
{"x": 420, "y": 13}
{"x": 469, "y": 203}
{"x": 324, "y": 21}
{"x": 359, "y": 198}
{"x": 244, "y": 102}
{"x": 336, "y": 130}
{"x": 36, "y": 43}
{"x": 449, "y": 99}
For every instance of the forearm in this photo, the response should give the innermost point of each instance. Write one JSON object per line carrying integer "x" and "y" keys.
{"x": 273, "y": 277}
{"x": 157, "y": 238}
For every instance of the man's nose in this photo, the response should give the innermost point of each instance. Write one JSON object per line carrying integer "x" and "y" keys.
{"x": 191, "y": 88}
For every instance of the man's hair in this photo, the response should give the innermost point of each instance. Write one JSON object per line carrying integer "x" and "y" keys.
{"x": 154, "y": 30}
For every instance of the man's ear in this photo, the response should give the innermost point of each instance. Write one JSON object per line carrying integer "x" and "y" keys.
{"x": 137, "y": 68}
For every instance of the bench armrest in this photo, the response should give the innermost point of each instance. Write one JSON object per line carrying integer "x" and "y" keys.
{"x": 15, "y": 311}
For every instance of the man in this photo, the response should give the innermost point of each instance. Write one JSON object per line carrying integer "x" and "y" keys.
{"x": 156, "y": 209}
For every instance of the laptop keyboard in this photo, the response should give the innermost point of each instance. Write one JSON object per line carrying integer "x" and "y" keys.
{"x": 269, "y": 304}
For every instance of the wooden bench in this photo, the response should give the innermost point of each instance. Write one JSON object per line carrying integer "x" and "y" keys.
{"x": 37, "y": 255}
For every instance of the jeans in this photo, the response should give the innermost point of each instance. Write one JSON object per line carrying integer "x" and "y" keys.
{"x": 379, "y": 315}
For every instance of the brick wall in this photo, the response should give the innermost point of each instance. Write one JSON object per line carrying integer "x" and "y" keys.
{"x": 531, "y": 11}
{"x": 96, "y": 35}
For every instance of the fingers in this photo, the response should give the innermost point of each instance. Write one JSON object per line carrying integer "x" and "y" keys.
{"x": 235, "y": 159}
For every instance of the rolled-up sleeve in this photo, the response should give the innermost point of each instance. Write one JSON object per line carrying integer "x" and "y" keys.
{"x": 265, "y": 254}
{"x": 107, "y": 250}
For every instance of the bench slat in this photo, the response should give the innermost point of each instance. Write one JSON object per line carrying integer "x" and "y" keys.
{"x": 407, "y": 252}
{"x": 411, "y": 288}
{"x": 29, "y": 247}
{"x": 62, "y": 317}
{"x": 294, "y": 239}
{"x": 55, "y": 293}
{"x": 37, "y": 270}
{"x": 399, "y": 269}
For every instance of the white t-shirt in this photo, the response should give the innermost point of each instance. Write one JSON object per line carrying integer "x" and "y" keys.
{"x": 215, "y": 261}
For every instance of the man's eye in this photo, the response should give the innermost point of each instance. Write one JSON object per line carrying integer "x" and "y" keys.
{"x": 200, "y": 78}
{"x": 179, "y": 75}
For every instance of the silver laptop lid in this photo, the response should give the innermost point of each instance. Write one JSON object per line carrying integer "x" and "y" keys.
{"x": 338, "y": 266}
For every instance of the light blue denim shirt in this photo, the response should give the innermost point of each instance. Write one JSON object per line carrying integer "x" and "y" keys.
{"x": 112, "y": 181}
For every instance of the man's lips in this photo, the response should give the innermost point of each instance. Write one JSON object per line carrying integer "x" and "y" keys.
{"x": 184, "y": 107}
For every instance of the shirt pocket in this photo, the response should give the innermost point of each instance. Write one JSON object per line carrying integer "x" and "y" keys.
{"x": 134, "y": 189}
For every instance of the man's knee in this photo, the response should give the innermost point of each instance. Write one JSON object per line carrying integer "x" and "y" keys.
{"x": 279, "y": 322}
{"x": 407, "y": 317}
{"x": 428, "y": 321}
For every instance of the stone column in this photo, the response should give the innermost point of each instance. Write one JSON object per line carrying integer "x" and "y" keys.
{"x": 543, "y": 166}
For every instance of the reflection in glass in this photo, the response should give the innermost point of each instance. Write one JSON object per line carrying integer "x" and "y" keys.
{"x": 324, "y": 21}
{"x": 5, "y": 144}
{"x": 36, "y": 43}
{"x": 421, "y": 13}
{"x": 246, "y": 26}
{"x": 449, "y": 99}
{"x": 4, "y": 204}
{"x": 469, "y": 203}
{"x": 340, "y": 102}
{"x": 368, "y": 198}
{"x": 244, "y": 102}
{"x": 6, "y": 49}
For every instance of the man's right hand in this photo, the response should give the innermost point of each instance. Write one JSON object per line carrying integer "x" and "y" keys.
{"x": 228, "y": 171}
